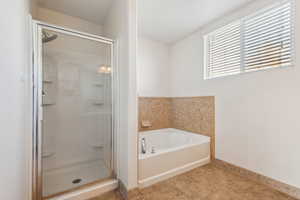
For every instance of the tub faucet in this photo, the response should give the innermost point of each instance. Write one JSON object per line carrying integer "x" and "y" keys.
{"x": 144, "y": 146}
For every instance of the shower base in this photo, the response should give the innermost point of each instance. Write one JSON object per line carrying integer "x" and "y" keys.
{"x": 66, "y": 179}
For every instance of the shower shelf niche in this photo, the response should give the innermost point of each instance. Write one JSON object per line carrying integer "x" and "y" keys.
{"x": 98, "y": 102}
{"x": 47, "y": 81}
{"x": 47, "y": 154}
{"x": 96, "y": 146}
{"x": 98, "y": 84}
{"x": 48, "y": 104}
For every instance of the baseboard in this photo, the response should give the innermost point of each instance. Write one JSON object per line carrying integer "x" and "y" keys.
{"x": 123, "y": 190}
{"x": 125, "y": 193}
{"x": 277, "y": 185}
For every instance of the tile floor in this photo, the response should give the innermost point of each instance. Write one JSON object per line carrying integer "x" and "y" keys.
{"x": 205, "y": 183}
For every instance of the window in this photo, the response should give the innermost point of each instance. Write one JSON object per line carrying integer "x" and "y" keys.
{"x": 260, "y": 41}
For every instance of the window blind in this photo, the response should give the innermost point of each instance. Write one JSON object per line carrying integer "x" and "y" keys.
{"x": 224, "y": 51}
{"x": 268, "y": 38}
{"x": 263, "y": 40}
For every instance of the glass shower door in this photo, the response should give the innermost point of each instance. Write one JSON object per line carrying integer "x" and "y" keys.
{"x": 77, "y": 111}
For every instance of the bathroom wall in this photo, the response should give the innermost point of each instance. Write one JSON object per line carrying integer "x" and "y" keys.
{"x": 195, "y": 114}
{"x": 257, "y": 113}
{"x": 153, "y": 68}
{"x": 14, "y": 62}
{"x": 60, "y": 19}
{"x": 121, "y": 24}
{"x": 154, "y": 88}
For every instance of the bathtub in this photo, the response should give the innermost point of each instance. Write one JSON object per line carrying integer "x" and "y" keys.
{"x": 170, "y": 152}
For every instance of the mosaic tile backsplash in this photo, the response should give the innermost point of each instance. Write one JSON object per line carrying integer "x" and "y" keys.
{"x": 194, "y": 114}
{"x": 155, "y": 110}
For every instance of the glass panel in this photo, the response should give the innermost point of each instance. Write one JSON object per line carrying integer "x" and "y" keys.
{"x": 77, "y": 112}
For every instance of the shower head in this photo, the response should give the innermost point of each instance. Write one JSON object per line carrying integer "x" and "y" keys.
{"x": 47, "y": 37}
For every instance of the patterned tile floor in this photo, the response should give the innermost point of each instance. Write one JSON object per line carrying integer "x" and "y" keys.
{"x": 204, "y": 183}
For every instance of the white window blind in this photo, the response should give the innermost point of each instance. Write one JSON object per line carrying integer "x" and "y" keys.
{"x": 260, "y": 41}
{"x": 225, "y": 51}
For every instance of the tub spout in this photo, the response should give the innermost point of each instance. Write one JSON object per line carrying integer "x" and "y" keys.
{"x": 144, "y": 146}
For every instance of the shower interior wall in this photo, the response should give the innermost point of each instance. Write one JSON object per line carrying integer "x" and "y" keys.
{"x": 120, "y": 25}
{"x": 77, "y": 127}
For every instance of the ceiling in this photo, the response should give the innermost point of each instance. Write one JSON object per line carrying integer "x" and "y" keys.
{"x": 163, "y": 20}
{"x": 170, "y": 20}
{"x": 91, "y": 10}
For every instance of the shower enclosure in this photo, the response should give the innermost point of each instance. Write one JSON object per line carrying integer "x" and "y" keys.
{"x": 73, "y": 110}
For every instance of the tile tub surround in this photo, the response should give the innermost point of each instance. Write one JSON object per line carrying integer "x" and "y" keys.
{"x": 155, "y": 110}
{"x": 205, "y": 183}
{"x": 194, "y": 114}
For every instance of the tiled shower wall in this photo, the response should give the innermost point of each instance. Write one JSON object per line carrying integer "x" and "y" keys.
{"x": 194, "y": 114}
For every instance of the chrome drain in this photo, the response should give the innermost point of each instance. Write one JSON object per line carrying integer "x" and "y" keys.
{"x": 76, "y": 181}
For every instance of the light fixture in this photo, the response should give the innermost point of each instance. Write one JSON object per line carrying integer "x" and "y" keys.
{"x": 103, "y": 69}
{"x": 108, "y": 70}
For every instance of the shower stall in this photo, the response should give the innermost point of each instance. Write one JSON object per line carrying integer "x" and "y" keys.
{"x": 74, "y": 81}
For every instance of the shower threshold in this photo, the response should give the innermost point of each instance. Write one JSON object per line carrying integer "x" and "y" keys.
{"x": 87, "y": 191}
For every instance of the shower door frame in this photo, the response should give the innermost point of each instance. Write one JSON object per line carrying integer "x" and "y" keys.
{"x": 37, "y": 84}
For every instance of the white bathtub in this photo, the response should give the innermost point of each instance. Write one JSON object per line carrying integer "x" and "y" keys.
{"x": 170, "y": 152}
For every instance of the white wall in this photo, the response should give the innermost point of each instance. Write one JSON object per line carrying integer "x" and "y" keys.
{"x": 256, "y": 113}
{"x": 153, "y": 68}
{"x": 63, "y": 20}
{"x": 14, "y": 62}
{"x": 121, "y": 25}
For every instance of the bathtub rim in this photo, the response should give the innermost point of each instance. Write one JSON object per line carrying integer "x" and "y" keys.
{"x": 204, "y": 139}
